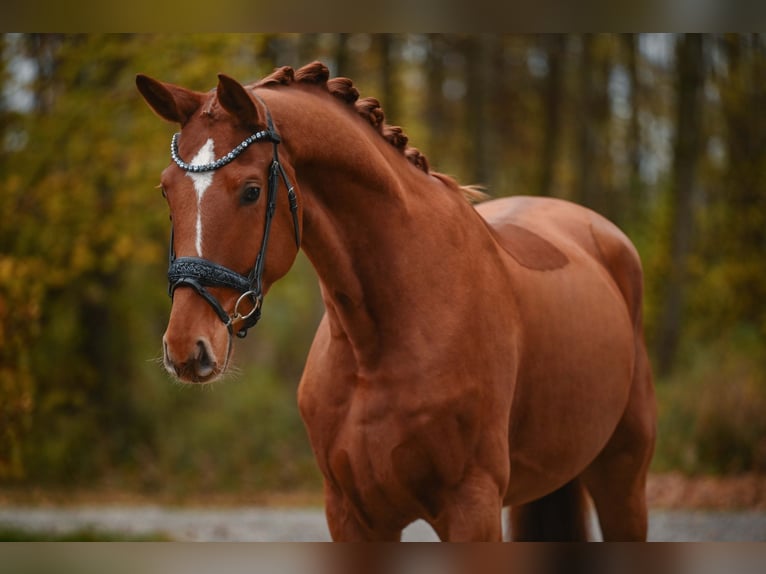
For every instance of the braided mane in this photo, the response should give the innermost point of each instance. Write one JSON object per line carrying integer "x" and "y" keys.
{"x": 368, "y": 108}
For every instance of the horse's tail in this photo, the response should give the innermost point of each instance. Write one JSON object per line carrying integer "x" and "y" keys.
{"x": 560, "y": 516}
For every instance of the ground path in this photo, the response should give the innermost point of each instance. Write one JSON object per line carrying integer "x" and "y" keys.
{"x": 705, "y": 509}
{"x": 291, "y": 524}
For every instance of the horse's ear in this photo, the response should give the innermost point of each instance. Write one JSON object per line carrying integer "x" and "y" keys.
{"x": 173, "y": 103}
{"x": 236, "y": 100}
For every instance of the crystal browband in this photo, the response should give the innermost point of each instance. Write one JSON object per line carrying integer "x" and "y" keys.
{"x": 264, "y": 135}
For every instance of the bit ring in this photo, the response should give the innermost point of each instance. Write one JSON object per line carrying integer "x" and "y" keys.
{"x": 237, "y": 316}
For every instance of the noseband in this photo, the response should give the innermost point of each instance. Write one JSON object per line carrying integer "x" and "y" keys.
{"x": 199, "y": 273}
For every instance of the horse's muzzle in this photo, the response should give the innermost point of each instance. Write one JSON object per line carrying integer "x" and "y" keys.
{"x": 200, "y": 366}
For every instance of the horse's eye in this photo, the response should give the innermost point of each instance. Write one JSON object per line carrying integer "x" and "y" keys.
{"x": 251, "y": 194}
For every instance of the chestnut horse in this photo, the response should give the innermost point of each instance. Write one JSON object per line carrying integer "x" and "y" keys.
{"x": 471, "y": 357}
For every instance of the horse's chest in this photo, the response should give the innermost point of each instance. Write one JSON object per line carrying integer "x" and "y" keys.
{"x": 363, "y": 424}
{"x": 377, "y": 451}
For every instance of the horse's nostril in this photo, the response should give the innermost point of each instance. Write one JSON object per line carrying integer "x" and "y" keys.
{"x": 206, "y": 363}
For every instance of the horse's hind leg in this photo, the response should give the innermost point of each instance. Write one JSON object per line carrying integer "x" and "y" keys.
{"x": 556, "y": 517}
{"x": 616, "y": 480}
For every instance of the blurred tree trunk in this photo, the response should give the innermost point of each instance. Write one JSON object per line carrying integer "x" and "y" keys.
{"x": 342, "y": 64}
{"x": 5, "y": 113}
{"x": 505, "y": 115}
{"x": 388, "y": 82}
{"x": 478, "y": 86}
{"x": 593, "y": 160}
{"x": 553, "y": 97}
{"x": 586, "y": 192}
{"x": 690, "y": 67}
{"x": 266, "y": 53}
{"x": 435, "y": 109}
{"x": 15, "y": 381}
{"x": 41, "y": 48}
{"x": 633, "y": 143}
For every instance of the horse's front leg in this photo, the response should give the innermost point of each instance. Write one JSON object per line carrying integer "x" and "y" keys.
{"x": 473, "y": 511}
{"x": 346, "y": 524}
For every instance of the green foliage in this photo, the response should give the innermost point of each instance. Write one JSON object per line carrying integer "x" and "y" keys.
{"x": 711, "y": 412}
{"x": 241, "y": 434}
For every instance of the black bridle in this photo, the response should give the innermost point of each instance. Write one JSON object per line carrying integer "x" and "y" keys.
{"x": 199, "y": 273}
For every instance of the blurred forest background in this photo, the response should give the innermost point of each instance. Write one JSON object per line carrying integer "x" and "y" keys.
{"x": 664, "y": 134}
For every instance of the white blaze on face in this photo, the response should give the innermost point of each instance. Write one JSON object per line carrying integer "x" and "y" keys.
{"x": 202, "y": 182}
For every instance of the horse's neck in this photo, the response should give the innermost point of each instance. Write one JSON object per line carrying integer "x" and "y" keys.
{"x": 387, "y": 266}
{"x": 392, "y": 246}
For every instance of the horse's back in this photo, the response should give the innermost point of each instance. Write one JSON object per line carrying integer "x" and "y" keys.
{"x": 541, "y": 233}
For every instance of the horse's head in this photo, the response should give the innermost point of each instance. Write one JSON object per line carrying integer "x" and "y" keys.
{"x": 235, "y": 218}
